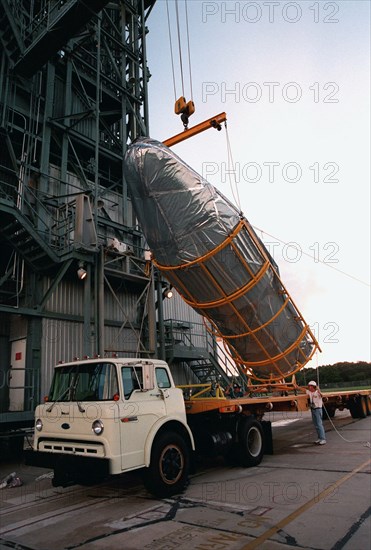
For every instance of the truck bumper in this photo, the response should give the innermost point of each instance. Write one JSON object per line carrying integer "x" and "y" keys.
{"x": 69, "y": 469}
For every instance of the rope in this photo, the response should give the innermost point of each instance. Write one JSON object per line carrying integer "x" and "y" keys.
{"x": 318, "y": 260}
{"x": 171, "y": 47}
{"x": 365, "y": 443}
{"x": 189, "y": 50}
{"x": 179, "y": 43}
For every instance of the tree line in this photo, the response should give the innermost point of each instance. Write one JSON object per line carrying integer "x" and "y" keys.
{"x": 338, "y": 372}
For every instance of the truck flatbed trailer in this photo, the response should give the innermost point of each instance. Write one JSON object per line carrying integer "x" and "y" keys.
{"x": 357, "y": 401}
{"x": 293, "y": 398}
{"x": 254, "y": 405}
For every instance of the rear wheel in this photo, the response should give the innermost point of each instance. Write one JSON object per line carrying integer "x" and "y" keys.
{"x": 358, "y": 407}
{"x": 251, "y": 443}
{"x": 368, "y": 404}
{"x": 168, "y": 471}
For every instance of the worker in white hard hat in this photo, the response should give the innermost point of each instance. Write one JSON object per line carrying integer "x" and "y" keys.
{"x": 316, "y": 404}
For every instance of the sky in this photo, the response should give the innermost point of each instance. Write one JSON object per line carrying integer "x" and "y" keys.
{"x": 294, "y": 80}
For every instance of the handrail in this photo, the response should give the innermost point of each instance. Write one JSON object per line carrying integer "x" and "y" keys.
{"x": 32, "y": 206}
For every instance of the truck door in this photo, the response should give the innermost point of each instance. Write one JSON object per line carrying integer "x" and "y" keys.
{"x": 139, "y": 412}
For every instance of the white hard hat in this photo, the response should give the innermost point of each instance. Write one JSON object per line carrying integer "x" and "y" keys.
{"x": 312, "y": 383}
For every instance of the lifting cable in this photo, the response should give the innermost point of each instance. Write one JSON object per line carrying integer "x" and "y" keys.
{"x": 231, "y": 170}
{"x": 179, "y": 45}
{"x": 189, "y": 50}
{"x": 171, "y": 47}
{"x": 182, "y": 107}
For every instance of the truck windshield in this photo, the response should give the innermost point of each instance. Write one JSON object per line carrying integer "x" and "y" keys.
{"x": 87, "y": 382}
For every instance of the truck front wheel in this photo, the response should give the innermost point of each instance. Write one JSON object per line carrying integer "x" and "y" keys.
{"x": 168, "y": 471}
{"x": 251, "y": 443}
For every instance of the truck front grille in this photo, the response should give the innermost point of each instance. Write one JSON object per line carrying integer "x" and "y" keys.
{"x": 72, "y": 447}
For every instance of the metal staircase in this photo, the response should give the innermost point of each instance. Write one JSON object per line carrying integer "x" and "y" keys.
{"x": 30, "y": 245}
{"x": 209, "y": 370}
{"x": 30, "y": 229}
{"x": 190, "y": 344}
{"x": 11, "y": 13}
{"x": 31, "y": 35}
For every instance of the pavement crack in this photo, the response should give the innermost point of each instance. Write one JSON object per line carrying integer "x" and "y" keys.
{"x": 170, "y": 515}
{"x": 4, "y": 543}
{"x": 175, "y": 505}
{"x": 289, "y": 539}
{"x": 353, "y": 529}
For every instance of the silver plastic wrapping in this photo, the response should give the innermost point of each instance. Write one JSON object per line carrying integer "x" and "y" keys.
{"x": 215, "y": 260}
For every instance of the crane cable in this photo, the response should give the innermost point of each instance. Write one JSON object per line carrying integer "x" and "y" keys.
{"x": 171, "y": 47}
{"x": 231, "y": 170}
{"x": 179, "y": 39}
{"x": 179, "y": 45}
{"x": 189, "y": 50}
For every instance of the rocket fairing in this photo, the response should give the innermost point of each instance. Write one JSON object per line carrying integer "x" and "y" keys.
{"x": 210, "y": 253}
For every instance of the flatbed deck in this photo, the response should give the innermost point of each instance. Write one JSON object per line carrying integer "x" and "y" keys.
{"x": 291, "y": 400}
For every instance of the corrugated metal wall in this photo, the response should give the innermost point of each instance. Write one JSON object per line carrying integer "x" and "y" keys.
{"x": 176, "y": 308}
{"x": 122, "y": 306}
{"x": 63, "y": 339}
{"x": 68, "y": 298}
{"x": 121, "y": 341}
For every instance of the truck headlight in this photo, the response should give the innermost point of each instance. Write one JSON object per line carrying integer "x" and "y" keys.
{"x": 39, "y": 425}
{"x": 97, "y": 427}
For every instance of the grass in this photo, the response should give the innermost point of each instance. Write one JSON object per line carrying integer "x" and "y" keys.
{"x": 346, "y": 388}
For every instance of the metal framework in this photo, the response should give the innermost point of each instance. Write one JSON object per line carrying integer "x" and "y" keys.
{"x": 73, "y": 94}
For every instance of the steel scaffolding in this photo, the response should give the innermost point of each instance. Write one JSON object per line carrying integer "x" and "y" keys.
{"x": 73, "y": 94}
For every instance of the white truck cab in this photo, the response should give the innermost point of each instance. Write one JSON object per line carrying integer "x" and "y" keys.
{"x": 108, "y": 416}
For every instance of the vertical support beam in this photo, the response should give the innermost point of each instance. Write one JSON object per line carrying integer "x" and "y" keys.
{"x": 160, "y": 312}
{"x": 123, "y": 120}
{"x": 2, "y": 74}
{"x": 151, "y": 312}
{"x": 87, "y": 311}
{"x": 32, "y": 395}
{"x": 100, "y": 303}
{"x": 4, "y": 90}
{"x": 32, "y": 377}
{"x": 144, "y": 71}
{"x": 45, "y": 148}
{"x": 4, "y": 370}
{"x": 67, "y": 110}
{"x": 97, "y": 116}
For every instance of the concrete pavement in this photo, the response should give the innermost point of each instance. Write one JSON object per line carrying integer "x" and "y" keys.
{"x": 302, "y": 496}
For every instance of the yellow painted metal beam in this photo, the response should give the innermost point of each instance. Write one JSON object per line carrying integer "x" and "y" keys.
{"x": 213, "y": 122}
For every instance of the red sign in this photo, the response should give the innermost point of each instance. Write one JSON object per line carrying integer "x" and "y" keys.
{"x": 18, "y": 356}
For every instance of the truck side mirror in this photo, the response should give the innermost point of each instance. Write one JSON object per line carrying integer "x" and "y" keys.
{"x": 148, "y": 377}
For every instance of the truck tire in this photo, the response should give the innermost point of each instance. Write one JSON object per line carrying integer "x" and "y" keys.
{"x": 362, "y": 406}
{"x": 358, "y": 407}
{"x": 168, "y": 471}
{"x": 368, "y": 404}
{"x": 251, "y": 443}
